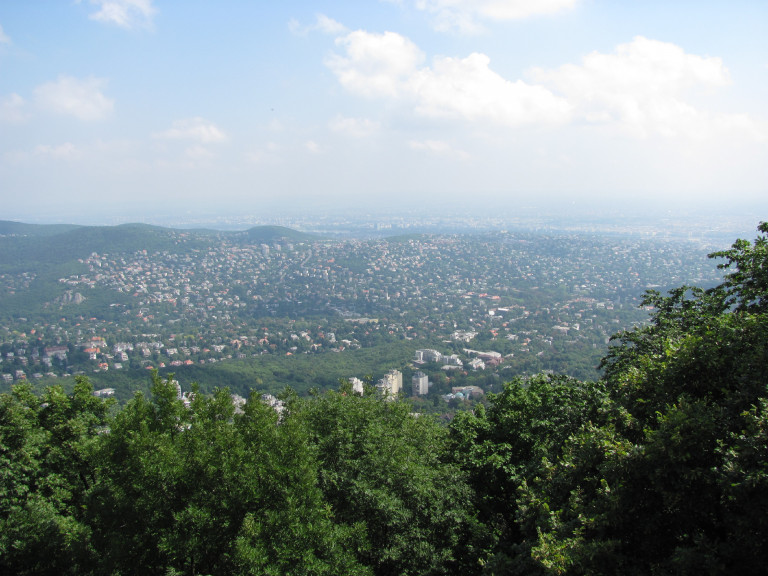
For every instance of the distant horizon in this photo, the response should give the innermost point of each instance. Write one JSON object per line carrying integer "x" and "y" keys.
{"x": 694, "y": 222}
{"x": 472, "y": 205}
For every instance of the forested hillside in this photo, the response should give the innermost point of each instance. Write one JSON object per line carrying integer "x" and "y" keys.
{"x": 658, "y": 467}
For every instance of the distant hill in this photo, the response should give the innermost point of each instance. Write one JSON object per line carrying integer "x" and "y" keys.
{"x": 45, "y": 254}
{"x": 79, "y": 242}
{"x": 27, "y": 245}
{"x": 10, "y": 228}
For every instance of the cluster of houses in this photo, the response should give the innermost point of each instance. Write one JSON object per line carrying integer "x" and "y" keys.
{"x": 453, "y": 362}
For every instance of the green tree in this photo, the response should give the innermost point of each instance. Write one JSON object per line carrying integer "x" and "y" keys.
{"x": 203, "y": 489}
{"x": 694, "y": 382}
{"x": 46, "y": 447}
{"x": 387, "y": 476}
{"x": 524, "y": 429}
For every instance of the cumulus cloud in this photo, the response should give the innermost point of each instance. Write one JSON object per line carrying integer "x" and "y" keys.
{"x": 465, "y": 16}
{"x": 642, "y": 87}
{"x": 4, "y": 39}
{"x": 354, "y": 127}
{"x": 195, "y": 129}
{"x": 388, "y": 66}
{"x": 125, "y": 13}
{"x": 375, "y": 65}
{"x": 12, "y": 109}
{"x": 82, "y": 99}
{"x": 468, "y": 88}
{"x": 322, "y": 24}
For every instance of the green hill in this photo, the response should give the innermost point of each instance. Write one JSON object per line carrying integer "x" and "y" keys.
{"x": 10, "y": 228}
{"x": 28, "y": 251}
{"x": 48, "y": 253}
{"x": 24, "y": 246}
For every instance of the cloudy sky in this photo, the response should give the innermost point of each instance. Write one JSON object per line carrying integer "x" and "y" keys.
{"x": 119, "y": 109}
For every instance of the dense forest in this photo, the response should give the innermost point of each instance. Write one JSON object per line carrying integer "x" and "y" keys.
{"x": 658, "y": 467}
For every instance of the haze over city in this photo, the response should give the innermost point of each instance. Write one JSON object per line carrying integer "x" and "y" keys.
{"x": 150, "y": 110}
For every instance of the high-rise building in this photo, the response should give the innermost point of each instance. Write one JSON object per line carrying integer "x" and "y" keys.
{"x": 391, "y": 383}
{"x": 420, "y": 384}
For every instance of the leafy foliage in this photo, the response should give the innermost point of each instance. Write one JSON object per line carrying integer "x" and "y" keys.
{"x": 526, "y": 428}
{"x": 205, "y": 490}
{"x": 194, "y": 485}
{"x": 385, "y": 473}
{"x": 45, "y": 457}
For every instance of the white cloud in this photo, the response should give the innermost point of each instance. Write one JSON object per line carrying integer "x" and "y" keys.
{"x": 464, "y": 16}
{"x": 12, "y": 109}
{"x": 354, "y": 127}
{"x": 196, "y": 129}
{"x": 4, "y": 39}
{"x": 66, "y": 151}
{"x": 322, "y": 24}
{"x": 388, "y": 66}
{"x": 329, "y": 25}
{"x": 312, "y": 147}
{"x": 375, "y": 64}
{"x": 125, "y": 13}
{"x": 642, "y": 88}
{"x": 71, "y": 96}
{"x": 468, "y": 88}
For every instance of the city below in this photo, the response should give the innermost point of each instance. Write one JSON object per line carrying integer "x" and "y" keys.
{"x": 113, "y": 302}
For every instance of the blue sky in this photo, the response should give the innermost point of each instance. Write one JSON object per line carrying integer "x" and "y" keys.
{"x": 125, "y": 109}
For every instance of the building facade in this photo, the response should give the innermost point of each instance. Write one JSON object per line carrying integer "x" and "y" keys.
{"x": 419, "y": 384}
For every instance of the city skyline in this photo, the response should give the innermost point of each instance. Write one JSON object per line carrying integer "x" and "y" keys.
{"x": 115, "y": 110}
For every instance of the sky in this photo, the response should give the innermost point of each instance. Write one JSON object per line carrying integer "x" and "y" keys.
{"x": 122, "y": 110}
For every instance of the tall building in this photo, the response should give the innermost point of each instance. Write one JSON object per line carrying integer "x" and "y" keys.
{"x": 391, "y": 384}
{"x": 420, "y": 384}
{"x": 397, "y": 378}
